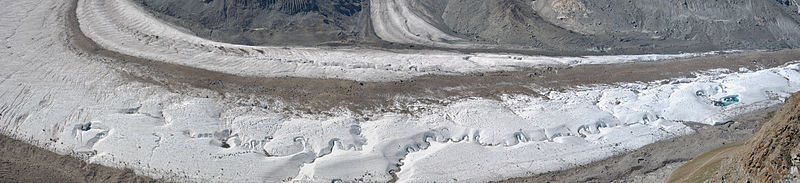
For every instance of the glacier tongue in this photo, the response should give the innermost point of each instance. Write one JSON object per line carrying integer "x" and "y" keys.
{"x": 62, "y": 99}
{"x": 121, "y": 26}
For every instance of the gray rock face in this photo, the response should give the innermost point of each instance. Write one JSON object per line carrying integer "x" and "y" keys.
{"x": 265, "y": 22}
{"x": 557, "y": 26}
{"x": 622, "y": 26}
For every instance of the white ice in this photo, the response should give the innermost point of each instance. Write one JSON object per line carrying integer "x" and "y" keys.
{"x": 72, "y": 103}
{"x": 121, "y": 26}
{"x": 393, "y": 21}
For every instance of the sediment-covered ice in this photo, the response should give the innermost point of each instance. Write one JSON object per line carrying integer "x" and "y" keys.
{"x": 393, "y": 21}
{"x": 70, "y": 102}
{"x": 121, "y": 26}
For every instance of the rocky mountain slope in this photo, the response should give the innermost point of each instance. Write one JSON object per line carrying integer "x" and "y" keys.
{"x": 265, "y": 22}
{"x": 557, "y": 26}
{"x": 772, "y": 154}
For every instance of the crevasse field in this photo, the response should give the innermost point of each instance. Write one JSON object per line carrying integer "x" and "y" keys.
{"x": 73, "y": 103}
